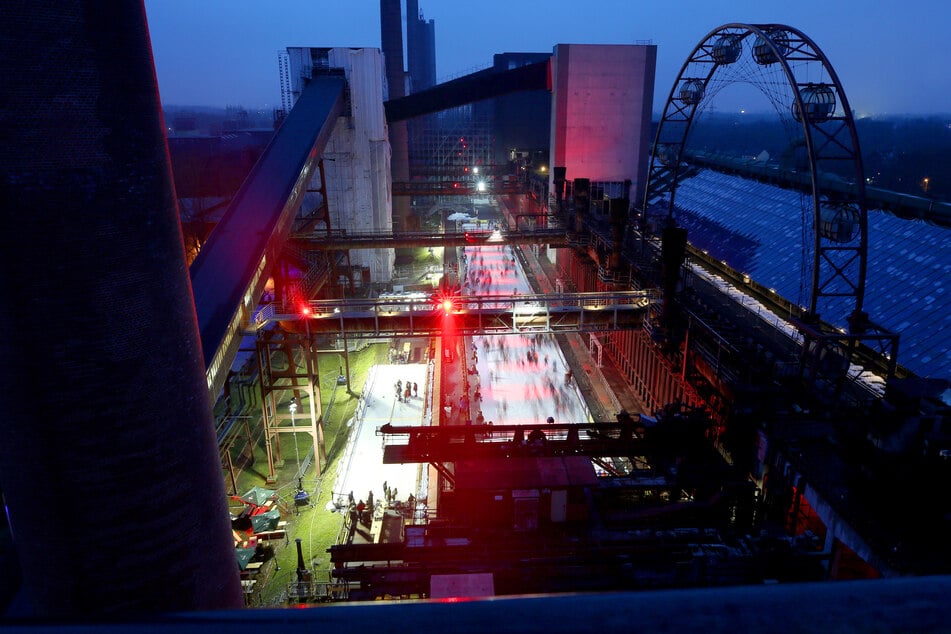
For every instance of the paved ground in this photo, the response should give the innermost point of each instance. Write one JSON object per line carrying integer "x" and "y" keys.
{"x": 362, "y": 470}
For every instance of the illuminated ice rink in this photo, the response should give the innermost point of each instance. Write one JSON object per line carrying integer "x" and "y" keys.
{"x": 362, "y": 470}
{"x": 521, "y": 379}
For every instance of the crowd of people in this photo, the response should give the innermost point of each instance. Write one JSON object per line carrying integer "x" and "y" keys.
{"x": 506, "y": 373}
{"x": 406, "y": 392}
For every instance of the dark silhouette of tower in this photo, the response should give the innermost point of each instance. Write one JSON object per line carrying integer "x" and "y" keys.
{"x": 420, "y": 48}
{"x": 109, "y": 460}
{"x": 520, "y": 119}
{"x": 391, "y": 37}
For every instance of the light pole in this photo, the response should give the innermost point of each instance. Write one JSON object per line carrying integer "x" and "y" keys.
{"x": 293, "y": 408}
{"x": 346, "y": 352}
{"x": 313, "y": 390}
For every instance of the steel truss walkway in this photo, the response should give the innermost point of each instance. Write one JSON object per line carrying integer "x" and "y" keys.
{"x": 628, "y": 437}
{"x": 476, "y": 442}
{"x": 470, "y": 315}
{"x": 342, "y": 241}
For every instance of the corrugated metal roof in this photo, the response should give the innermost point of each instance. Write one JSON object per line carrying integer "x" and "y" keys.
{"x": 757, "y": 229}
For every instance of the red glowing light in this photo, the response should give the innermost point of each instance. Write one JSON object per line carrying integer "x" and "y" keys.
{"x": 305, "y": 311}
{"x": 447, "y": 305}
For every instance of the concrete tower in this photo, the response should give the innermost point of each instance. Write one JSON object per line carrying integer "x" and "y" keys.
{"x": 357, "y": 156}
{"x": 420, "y": 48}
{"x": 601, "y": 107}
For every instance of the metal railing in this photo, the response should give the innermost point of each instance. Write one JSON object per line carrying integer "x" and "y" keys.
{"x": 497, "y": 314}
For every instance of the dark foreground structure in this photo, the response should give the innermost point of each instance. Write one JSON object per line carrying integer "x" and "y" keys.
{"x": 899, "y": 605}
{"x": 110, "y": 464}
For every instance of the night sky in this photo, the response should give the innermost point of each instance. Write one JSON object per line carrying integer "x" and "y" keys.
{"x": 892, "y": 58}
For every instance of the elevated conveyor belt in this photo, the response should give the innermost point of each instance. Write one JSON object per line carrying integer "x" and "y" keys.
{"x": 229, "y": 273}
{"x": 477, "y": 86}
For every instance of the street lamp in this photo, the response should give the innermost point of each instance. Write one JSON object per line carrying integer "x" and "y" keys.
{"x": 313, "y": 392}
{"x": 346, "y": 352}
{"x": 293, "y": 408}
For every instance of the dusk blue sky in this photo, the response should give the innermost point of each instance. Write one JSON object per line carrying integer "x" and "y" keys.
{"x": 891, "y": 57}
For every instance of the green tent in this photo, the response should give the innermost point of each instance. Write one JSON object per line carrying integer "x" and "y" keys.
{"x": 244, "y": 555}
{"x": 265, "y": 521}
{"x": 258, "y": 495}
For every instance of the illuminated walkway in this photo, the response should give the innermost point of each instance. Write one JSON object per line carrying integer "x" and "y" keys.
{"x": 521, "y": 378}
{"x": 361, "y": 469}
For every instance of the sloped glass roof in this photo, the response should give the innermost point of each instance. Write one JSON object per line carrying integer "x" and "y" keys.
{"x": 758, "y": 229}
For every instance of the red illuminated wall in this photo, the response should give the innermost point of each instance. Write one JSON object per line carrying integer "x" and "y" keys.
{"x": 601, "y": 111}
{"x": 577, "y": 270}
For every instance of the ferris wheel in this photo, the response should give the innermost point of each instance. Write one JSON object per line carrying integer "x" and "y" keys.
{"x": 795, "y": 77}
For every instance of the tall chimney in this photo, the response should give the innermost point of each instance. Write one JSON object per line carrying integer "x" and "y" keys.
{"x": 109, "y": 460}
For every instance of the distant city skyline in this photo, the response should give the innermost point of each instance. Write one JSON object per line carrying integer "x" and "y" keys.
{"x": 217, "y": 53}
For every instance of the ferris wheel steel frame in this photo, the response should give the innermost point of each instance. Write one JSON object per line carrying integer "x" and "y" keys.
{"x": 837, "y": 269}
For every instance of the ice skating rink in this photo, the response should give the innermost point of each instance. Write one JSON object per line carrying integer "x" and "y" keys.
{"x": 521, "y": 379}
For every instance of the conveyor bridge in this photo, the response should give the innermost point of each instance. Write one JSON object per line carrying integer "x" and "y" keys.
{"x": 470, "y": 315}
{"x": 341, "y": 240}
{"x": 478, "y": 442}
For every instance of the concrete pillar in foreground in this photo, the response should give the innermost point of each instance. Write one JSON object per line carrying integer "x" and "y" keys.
{"x": 108, "y": 459}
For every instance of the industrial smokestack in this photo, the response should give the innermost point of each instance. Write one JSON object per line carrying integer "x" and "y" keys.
{"x": 109, "y": 460}
{"x": 391, "y": 37}
{"x": 673, "y": 253}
